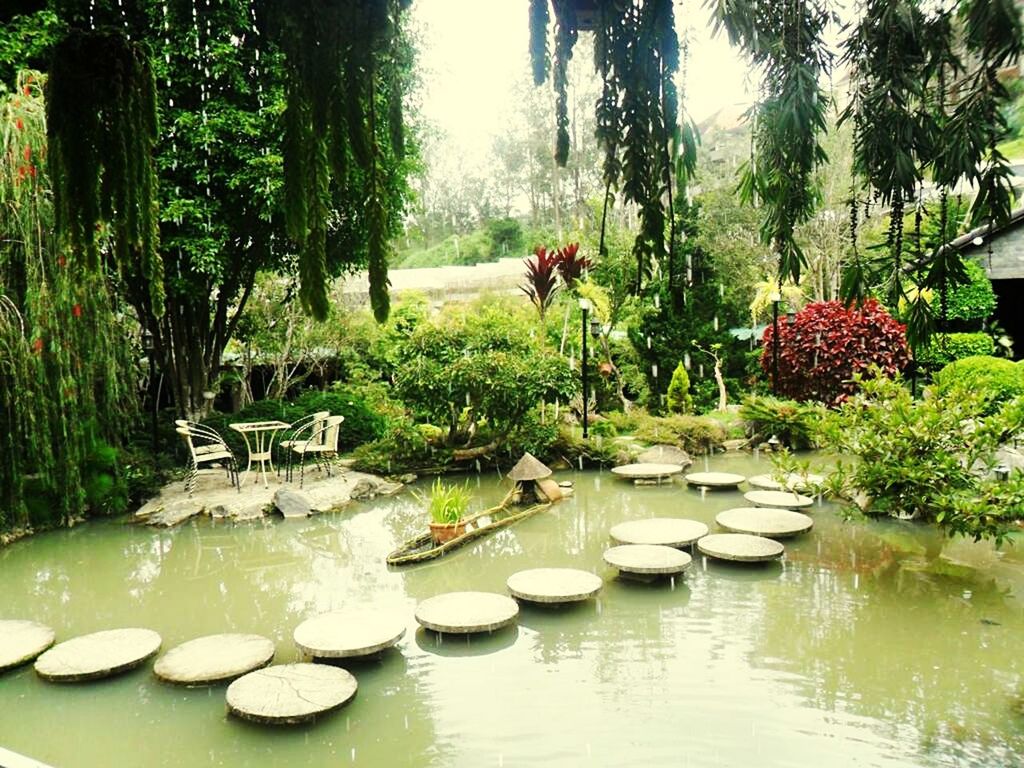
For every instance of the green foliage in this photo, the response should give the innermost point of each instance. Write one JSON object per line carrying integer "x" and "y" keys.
{"x": 918, "y": 459}
{"x": 25, "y": 43}
{"x": 533, "y": 435}
{"x": 506, "y": 237}
{"x": 944, "y": 348}
{"x": 974, "y": 299}
{"x": 995, "y": 380}
{"x": 695, "y": 434}
{"x": 447, "y": 504}
{"x": 678, "y": 395}
{"x": 794, "y": 423}
{"x": 402, "y": 448}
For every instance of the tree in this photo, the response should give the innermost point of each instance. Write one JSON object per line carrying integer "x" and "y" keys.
{"x": 678, "y": 398}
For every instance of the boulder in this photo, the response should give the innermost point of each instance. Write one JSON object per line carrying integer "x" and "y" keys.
{"x": 665, "y": 454}
{"x": 292, "y": 503}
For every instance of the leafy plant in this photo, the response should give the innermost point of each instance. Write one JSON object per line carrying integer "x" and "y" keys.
{"x": 542, "y": 279}
{"x": 827, "y": 343}
{"x": 794, "y": 423}
{"x": 696, "y": 434}
{"x": 447, "y": 504}
{"x": 678, "y": 396}
{"x": 944, "y": 348}
{"x": 569, "y": 266}
{"x": 994, "y": 379}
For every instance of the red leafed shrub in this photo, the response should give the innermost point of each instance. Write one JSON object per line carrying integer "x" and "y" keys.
{"x": 827, "y": 343}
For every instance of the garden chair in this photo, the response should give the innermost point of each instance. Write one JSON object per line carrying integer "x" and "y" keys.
{"x": 322, "y": 445}
{"x": 299, "y": 433}
{"x": 205, "y": 445}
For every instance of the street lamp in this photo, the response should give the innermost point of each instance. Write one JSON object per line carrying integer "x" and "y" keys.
{"x": 775, "y": 298}
{"x": 584, "y": 308}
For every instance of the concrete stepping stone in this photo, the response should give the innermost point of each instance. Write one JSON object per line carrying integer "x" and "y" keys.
{"x": 214, "y": 658}
{"x": 640, "y": 472}
{"x": 21, "y": 641}
{"x": 647, "y": 559}
{"x": 554, "y": 585}
{"x": 765, "y": 521}
{"x": 100, "y": 654}
{"x": 349, "y": 633}
{"x": 794, "y": 482}
{"x": 285, "y": 694}
{"x": 466, "y": 612}
{"x": 668, "y": 531}
{"x": 778, "y": 499}
{"x": 740, "y": 547}
{"x": 715, "y": 479}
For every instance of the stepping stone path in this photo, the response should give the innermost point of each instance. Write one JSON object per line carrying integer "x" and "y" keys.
{"x": 214, "y": 658}
{"x": 668, "y": 531}
{"x": 647, "y": 559}
{"x": 554, "y": 585}
{"x": 290, "y": 693}
{"x": 349, "y": 633}
{"x": 22, "y": 641}
{"x": 715, "y": 479}
{"x": 100, "y": 654}
{"x": 794, "y": 482}
{"x": 764, "y": 521}
{"x": 466, "y": 612}
{"x": 778, "y": 499}
{"x": 740, "y": 547}
{"x": 647, "y": 471}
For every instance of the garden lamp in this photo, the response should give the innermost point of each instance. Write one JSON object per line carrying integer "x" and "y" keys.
{"x": 774, "y": 443}
{"x": 1002, "y": 473}
{"x": 595, "y": 327}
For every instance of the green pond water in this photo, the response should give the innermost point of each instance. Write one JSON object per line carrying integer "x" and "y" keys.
{"x": 872, "y": 644}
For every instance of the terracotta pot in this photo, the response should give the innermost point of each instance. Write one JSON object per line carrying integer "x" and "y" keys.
{"x": 605, "y": 369}
{"x": 443, "y": 532}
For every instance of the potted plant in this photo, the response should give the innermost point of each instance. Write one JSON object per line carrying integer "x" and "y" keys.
{"x": 447, "y": 506}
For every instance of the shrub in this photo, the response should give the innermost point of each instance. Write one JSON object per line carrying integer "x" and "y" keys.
{"x": 361, "y": 424}
{"x": 794, "y": 423}
{"x": 971, "y": 301}
{"x": 695, "y": 434}
{"x": 995, "y": 379}
{"x": 401, "y": 448}
{"x": 947, "y": 347}
{"x": 916, "y": 459}
{"x": 827, "y": 343}
{"x": 679, "y": 400}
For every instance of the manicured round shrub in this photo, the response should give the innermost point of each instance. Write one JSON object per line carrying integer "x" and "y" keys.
{"x": 827, "y": 343}
{"x": 361, "y": 424}
{"x": 944, "y": 348}
{"x": 997, "y": 378}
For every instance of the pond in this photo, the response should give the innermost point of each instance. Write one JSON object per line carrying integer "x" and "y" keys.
{"x": 872, "y": 644}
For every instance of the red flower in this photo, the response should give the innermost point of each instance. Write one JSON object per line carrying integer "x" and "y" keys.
{"x": 28, "y": 91}
{"x": 77, "y": 310}
{"x": 18, "y": 124}
{"x": 32, "y": 171}
{"x": 28, "y": 153}
{"x": 61, "y": 260}
{"x": 37, "y": 345}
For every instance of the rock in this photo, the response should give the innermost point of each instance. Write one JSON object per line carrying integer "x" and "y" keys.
{"x": 407, "y": 478}
{"x": 735, "y": 445}
{"x": 389, "y": 489}
{"x": 364, "y": 488}
{"x": 292, "y": 503}
{"x": 665, "y": 454}
{"x": 549, "y": 489}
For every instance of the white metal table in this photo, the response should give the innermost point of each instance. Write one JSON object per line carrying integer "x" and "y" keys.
{"x": 262, "y": 446}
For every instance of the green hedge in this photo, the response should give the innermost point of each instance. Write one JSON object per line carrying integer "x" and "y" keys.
{"x": 998, "y": 379}
{"x": 947, "y": 347}
{"x": 974, "y": 300}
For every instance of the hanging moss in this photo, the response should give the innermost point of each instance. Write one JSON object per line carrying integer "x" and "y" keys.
{"x": 344, "y": 63}
{"x": 102, "y": 131}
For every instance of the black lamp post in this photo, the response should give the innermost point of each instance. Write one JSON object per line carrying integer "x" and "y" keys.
{"x": 149, "y": 347}
{"x": 775, "y": 299}
{"x": 585, "y": 308}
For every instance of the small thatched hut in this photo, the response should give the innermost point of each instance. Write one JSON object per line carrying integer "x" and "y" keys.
{"x": 532, "y": 479}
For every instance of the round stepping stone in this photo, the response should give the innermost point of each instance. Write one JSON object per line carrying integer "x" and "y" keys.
{"x": 290, "y": 693}
{"x": 668, "y": 531}
{"x": 778, "y": 499}
{"x": 214, "y": 658}
{"x": 647, "y": 471}
{"x": 740, "y": 547}
{"x": 554, "y": 585}
{"x": 349, "y": 633}
{"x": 465, "y": 612}
{"x": 22, "y": 641}
{"x": 793, "y": 482}
{"x": 764, "y": 521}
{"x": 715, "y": 479}
{"x": 654, "y": 559}
{"x": 100, "y": 654}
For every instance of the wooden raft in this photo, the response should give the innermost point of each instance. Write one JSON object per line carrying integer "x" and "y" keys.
{"x": 423, "y": 548}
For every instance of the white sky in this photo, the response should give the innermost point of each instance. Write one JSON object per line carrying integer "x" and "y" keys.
{"x": 474, "y": 50}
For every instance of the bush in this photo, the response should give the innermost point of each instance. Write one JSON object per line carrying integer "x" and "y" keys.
{"x": 694, "y": 434}
{"x": 996, "y": 379}
{"x": 401, "y": 448}
{"x": 794, "y": 423}
{"x": 678, "y": 396}
{"x": 947, "y": 347}
{"x": 971, "y": 301}
{"x": 827, "y": 343}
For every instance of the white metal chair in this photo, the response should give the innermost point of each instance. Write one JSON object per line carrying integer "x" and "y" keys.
{"x": 322, "y": 445}
{"x": 205, "y": 445}
{"x": 298, "y": 434}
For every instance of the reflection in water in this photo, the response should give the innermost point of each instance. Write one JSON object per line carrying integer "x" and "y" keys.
{"x": 876, "y": 644}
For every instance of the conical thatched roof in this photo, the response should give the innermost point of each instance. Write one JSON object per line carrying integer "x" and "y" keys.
{"x": 528, "y": 468}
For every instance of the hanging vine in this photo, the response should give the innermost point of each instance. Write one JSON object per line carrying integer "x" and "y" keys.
{"x": 345, "y": 64}
{"x": 636, "y": 53}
